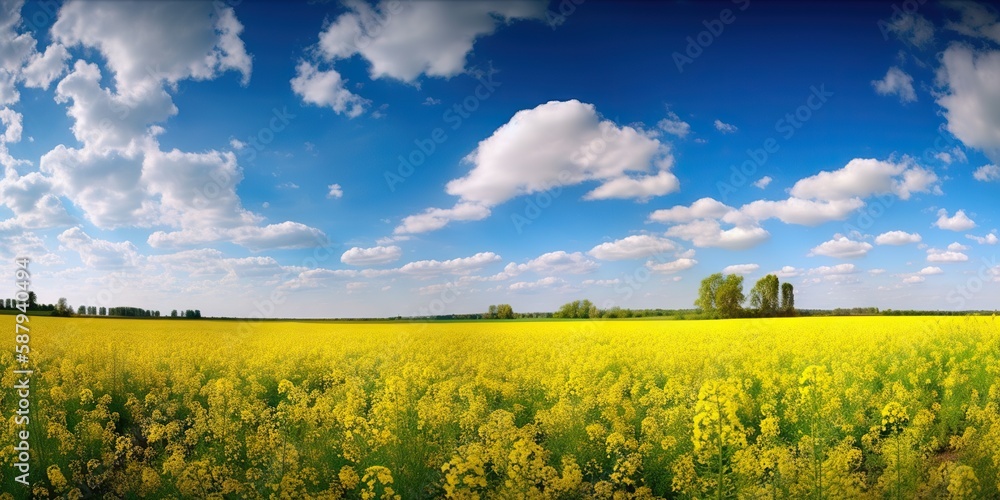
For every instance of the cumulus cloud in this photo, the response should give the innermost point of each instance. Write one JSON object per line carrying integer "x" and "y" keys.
{"x": 862, "y": 178}
{"x": 553, "y": 145}
{"x": 374, "y": 256}
{"x": 989, "y": 239}
{"x": 788, "y": 272}
{"x": 334, "y": 191}
{"x": 914, "y": 279}
{"x": 100, "y": 254}
{"x": 896, "y": 82}
{"x": 937, "y": 255}
{"x": 709, "y": 233}
{"x": 833, "y": 270}
{"x": 459, "y": 266}
{"x": 841, "y": 247}
{"x": 931, "y": 270}
{"x": 970, "y": 97}
{"x": 402, "y": 41}
{"x": 673, "y": 125}
{"x": 632, "y": 247}
{"x": 976, "y": 21}
{"x": 203, "y": 37}
{"x": 705, "y": 208}
{"x": 801, "y": 211}
{"x": 957, "y": 222}
{"x": 552, "y": 263}
{"x": 763, "y": 182}
{"x": 911, "y": 28}
{"x": 740, "y": 269}
{"x": 326, "y": 89}
{"x": 524, "y": 286}
{"x": 897, "y": 238}
{"x": 672, "y": 267}
{"x": 987, "y": 173}
{"x": 724, "y": 127}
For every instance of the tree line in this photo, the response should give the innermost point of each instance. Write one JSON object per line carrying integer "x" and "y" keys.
{"x": 722, "y": 296}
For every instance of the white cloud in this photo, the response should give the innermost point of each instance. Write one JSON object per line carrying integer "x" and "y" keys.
{"x": 957, "y": 247}
{"x": 989, "y": 239}
{"x": 957, "y": 222}
{"x": 977, "y": 21}
{"x": 203, "y": 38}
{"x": 402, "y": 41}
{"x": 671, "y": 267}
{"x": 552, "y": 263}
{"x": 788, "y": 272}
{"x": 833, "y": 270}
{"x": 937, "y": 255}
{"x": 45, "y": 67}
{"x": 914, "y": 279}
{"x": 896, "y": 82}
{"x": 97, "y": 253}
{"x": 374, "y": 256}
{"x": 970, "y": 97}
{"x": 673, "y": 125}
{"x": 740, "y": 269}
{"x": 553, "y": 145}
{"x": 709, "y": 233}
{"x": 632, "y": 247}
{"x": 987, "y": 173}
{"x": 523, "y": 286}
{"x": 463, "y": 265}
{"x": 862, "y": 178}
{"x": 436, "y": 218}
{"x": 897, "y": 238}
{"x": 725, "y": 128}
{"x": 335, "y": 191}
{"x": 931, "y": 270}
{"x": 912, "y": 28}
{"x": 406, "y": 40}
{"x": 802, "y": 212}
{"x": 876, "y": 272}
{"x": 763, "y": 182}
{"x": 705, "y": 208}
{"x": 610, "y": 282}
{"x": 842, "y": 248}
{"x": 326, "y": 88}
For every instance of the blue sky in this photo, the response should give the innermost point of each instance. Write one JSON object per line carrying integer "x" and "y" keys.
{"x": 351, "y": 159}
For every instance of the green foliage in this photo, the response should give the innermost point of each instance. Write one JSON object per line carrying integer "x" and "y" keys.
{"x": 579, "y": 309}
{"x": 729, "y": 297}
{"x": 707, "y": 292}
{"x": 788, "y": 298}
{"x": 764, "y": 296}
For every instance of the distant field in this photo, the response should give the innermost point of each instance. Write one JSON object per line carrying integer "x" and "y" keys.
{"x": 777, "y": 408}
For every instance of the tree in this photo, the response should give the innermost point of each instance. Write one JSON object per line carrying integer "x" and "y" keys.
{"x": 706, "y": 294}
{"x": 32, "y": 300}
{"x": 197, "y": 313}
{"x": 764, "y": 296}
{"x": 103, "y": 311}
{"x": 504, "y": 311}
{"x": 491, "y": 312}
{"x": 62, "y": 308}
{"x": 729, "y": 296}
{"x": 81, "y": 310}
{"x": 173, "y": 314}
{"x": 788, "y": 298}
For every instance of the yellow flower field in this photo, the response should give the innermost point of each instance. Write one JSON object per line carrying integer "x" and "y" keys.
{"x": 776, "y": 408}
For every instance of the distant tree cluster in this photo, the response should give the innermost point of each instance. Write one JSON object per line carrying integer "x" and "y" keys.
{"x": 723, "y": 296}
{"x": 579, "y": 309}
{"x": 501, "y": 311}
